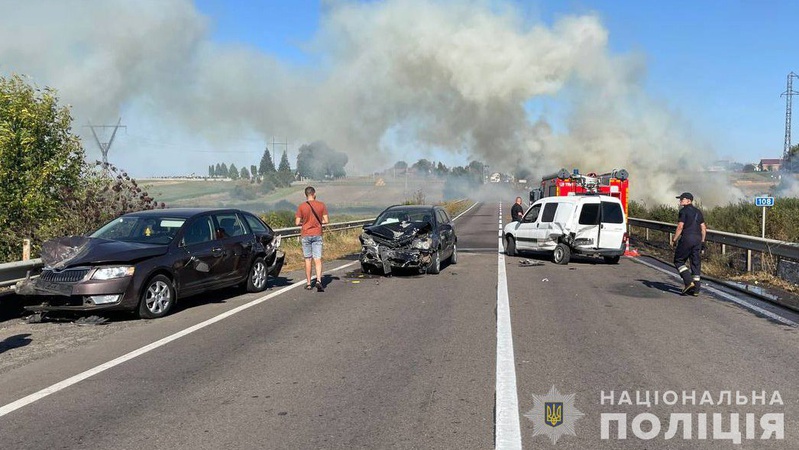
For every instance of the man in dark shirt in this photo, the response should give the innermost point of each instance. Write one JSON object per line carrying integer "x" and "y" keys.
{"x": 516, "y": 211}
{"x": 689, "y": 239}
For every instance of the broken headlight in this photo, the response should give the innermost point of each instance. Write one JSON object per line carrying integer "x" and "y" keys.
{"x": 367, "y": 240}
{"x": 422, "y": 243}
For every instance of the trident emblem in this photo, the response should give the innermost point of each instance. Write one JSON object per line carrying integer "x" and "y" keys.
{"x": 554, "y": 413}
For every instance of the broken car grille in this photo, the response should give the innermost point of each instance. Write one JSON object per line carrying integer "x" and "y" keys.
{"x": 66, "y": 276}
{"x": 391, "y": 242}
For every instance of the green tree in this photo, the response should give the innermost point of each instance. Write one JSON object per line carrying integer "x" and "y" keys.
{"x": 267, "y": 165}
{"x": 442, "y": 170}
{"x": 253, "y": 171}
{"x": 223, "y": 170}
{"x": 40, "y": 159}
{"x": 218, "y": 171}
{"x": 48, "y": 189}
{"x": 233, "y": 172}
{"x": 423, "y": 166}
{"x": 211, "y": 171}
{"x": 400, "y": 165}
{"x": 245, "y": 174}
{"x": 284, "y": 163}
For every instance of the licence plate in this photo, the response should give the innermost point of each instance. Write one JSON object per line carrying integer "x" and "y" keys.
{"x": 54, "y": 288}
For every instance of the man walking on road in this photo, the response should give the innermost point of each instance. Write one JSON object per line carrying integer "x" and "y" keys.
{"x": 311, "y": 215}
{"x": 689, "y": 240}
{"x": 516, "y": 211}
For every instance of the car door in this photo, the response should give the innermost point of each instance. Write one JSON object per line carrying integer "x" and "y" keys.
{"x": 198, "y": 269}
{"x": 525, "y": 229}
{"x": 446, "y": 233}
{"x": 612, "y": 225}
{"x": 236, "y": 242}
{"x": 547, "y": 231}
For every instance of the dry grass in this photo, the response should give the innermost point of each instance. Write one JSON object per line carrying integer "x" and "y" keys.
{"x": 336, "y": 245}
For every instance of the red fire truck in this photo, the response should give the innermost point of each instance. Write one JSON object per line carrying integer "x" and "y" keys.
{"x": 613, "y": 183}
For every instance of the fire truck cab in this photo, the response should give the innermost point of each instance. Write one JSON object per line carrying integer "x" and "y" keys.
{"x": 613, "y": 184}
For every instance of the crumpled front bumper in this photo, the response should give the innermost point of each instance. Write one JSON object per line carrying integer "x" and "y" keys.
{"x": 399, "y": 258}
{"x": 277, "y": 265}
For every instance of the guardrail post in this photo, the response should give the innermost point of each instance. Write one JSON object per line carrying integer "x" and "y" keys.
{"x": 749, "y": 260}
{"x": 647, "y": 234}
{"x": 723, "y": 249}
{"x": 671, "y": 237}
{"x": 26, "y": 249}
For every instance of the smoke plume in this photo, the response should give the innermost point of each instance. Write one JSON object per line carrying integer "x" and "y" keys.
{"x": 441, "y": 76}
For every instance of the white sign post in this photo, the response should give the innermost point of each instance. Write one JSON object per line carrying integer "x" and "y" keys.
{"x": 764, "y": 202}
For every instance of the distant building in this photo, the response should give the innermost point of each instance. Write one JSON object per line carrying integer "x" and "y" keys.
{"x": 770, "y": 165}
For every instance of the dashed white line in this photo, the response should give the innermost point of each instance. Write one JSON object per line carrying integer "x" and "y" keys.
{"x": 508, "y": 428}
{"x": 13, "y": 406}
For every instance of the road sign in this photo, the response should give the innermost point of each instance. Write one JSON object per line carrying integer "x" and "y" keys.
{"x": 764, "y": 201}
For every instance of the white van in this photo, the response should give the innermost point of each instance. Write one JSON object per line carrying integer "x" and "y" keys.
{"x": 592, "y": 225}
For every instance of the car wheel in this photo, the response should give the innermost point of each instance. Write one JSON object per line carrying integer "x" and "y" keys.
{"x": 612, "y": 259}
{"x": 157, "y": 298}
{"x": 510, "y": 246}
{"x": 435, "y": 263}
{"x": 453, "y": 258}
{"x": 562, "y": 254}
{"x": 257, "y": 280}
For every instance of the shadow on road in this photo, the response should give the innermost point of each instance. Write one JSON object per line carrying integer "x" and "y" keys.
{"x": 665, "y": 287}
{"x": 16, "y": 341}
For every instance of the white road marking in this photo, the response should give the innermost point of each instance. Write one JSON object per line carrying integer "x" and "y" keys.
{"x": 727, "y": 296}
{"x": 13, "y": 406}
{"x": 508, "y": 428}
{"x": 467, "y": 210}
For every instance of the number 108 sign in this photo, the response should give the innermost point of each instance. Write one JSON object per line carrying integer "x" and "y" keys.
{"x": 764, "y": 201}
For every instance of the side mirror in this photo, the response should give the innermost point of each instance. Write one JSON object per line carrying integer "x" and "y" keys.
{"x": 366, "y": 225}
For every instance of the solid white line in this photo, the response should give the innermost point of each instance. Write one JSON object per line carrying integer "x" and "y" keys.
{"x": 729, "y": 297}
{"x": 467, "y": 210}
{"x": 13, "y": 406}
{"x": 508, "y": 428}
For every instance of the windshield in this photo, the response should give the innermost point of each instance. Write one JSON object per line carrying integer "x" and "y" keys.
{"x": 403, "y": 215}
{"x": 145, "y": 230}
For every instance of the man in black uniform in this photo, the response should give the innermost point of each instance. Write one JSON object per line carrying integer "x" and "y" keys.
{"x": 516, "y": 211}
{"x": 689, "y": 239}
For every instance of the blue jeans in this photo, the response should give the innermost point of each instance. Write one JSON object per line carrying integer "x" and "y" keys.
{"x": 312, "y": 247}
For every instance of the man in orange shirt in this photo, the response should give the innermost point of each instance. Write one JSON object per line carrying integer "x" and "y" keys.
{"x": 311, "y": 215}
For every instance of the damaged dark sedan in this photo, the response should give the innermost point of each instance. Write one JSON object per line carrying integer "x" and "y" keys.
{"x": 145, "y": 261}
{"x": 412, "y": 237}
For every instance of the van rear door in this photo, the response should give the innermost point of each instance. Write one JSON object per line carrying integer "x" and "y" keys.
{"x": 613, "y": 226}
{"x": 586, "y": 233}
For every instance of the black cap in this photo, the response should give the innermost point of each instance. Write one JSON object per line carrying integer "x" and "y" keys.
{"x": 686, "y": 195}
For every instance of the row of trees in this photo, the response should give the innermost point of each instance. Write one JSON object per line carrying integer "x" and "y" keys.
{"x": 266, "y": 167}
{"x": 48, "y": 188}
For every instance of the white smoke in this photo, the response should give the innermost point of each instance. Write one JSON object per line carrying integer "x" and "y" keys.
{"x": 444, "y": 76}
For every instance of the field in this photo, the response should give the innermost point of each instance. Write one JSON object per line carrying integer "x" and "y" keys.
{"x": 354, "y": 197}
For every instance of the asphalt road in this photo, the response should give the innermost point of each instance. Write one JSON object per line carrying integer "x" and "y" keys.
{"x": 410, "y": 362}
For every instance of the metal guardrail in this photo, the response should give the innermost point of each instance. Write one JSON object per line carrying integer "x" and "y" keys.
{"x": 781, "y": 249}
{"x": 341, "y": 226}
{"x": 13, "y": 272}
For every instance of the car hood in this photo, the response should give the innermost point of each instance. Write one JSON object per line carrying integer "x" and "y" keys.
{"x": 398, "y": 232}
{"x": 81, "y": 250}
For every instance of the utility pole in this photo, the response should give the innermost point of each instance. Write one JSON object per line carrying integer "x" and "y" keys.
{"x": 106, "y": 146}
{"x": 786, "y": 152}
